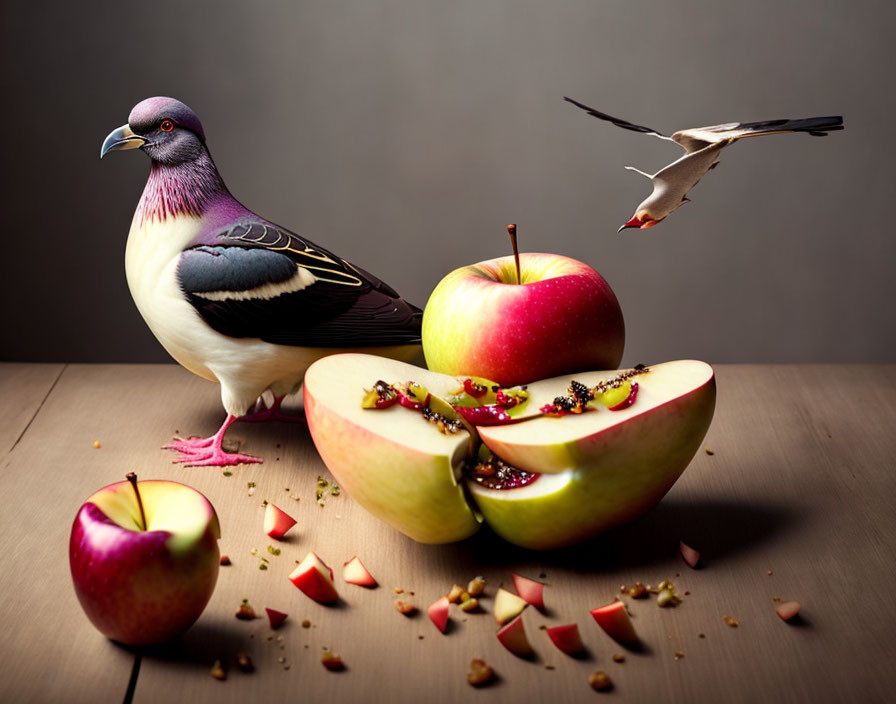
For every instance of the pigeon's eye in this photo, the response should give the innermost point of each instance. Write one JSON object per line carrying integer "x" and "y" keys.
{"x": 166, "y": 126}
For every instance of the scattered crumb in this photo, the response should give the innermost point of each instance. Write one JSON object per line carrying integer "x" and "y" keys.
{"x": 96, "y": 445}
{"x": 244, "y": 662}
{"x": 542, "y": 576}
{"x": 701, "y": 635}
{"x": 542, "y": 627}
{"x": 669, "y": 637}
{"x": 618, "y": 657}
{"x": 480, "y": 674}
{"x": 468, "y": 605}
{"x": 709, "y": 452}
{"x": 678, "y": 655}
{"x": 332, "y": 661}
{"x": 776, "y": 598}
{"x": 476, "y": 586}
{"x": 730, "y": 621}
{"x": 227, "y": 473}
{"x": 600, "y": 681}
{"x": 406, "y": 608}
{"x": 639, "y": 591}
{"x": 769, "y": 573}
{"x": 281, "y": 659}
{"x": 245, "y": 612}
{"x": 225, "y": 561}
{"x": 218, "y": 671}
{"x": 549, "y": 667}
{"x": 419, "y": 637}
{"x": 306, "y": 623}
{"x": 622, "y": 589}
{"x": 294, "y": 497}
{"x": 398, "y": 590}
{"x": 274, "y": 551}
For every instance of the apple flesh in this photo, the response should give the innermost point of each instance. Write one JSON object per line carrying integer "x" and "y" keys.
{"x": 513, "y": 637}
{"x": 315, "y": 580}
{"x": 391, "y": 461}
{"x": 508, "y": 606}
{"x": 277, "y": 522}
{"x": 599, "y": 469}
{"x": 354, "y": 572}
{"x": 529, "y": 590}
{"x": 562, "y": 318}
{"x": 139, "y": 584}
{"x": 614, "y": 619}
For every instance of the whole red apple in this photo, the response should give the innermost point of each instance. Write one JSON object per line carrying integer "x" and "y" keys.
{"x": 144, "y": 559}
{"x": 562, "y": 317}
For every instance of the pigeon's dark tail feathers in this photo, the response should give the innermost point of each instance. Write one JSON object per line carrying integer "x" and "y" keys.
{"x": 817, "y": 126}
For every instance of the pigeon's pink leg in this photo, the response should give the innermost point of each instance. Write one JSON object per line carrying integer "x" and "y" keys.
{"x": 208, "y": 452}
{"x": 262, "y": 413}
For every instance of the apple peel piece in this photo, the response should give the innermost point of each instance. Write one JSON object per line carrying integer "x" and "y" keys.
{"x": 567, "y": 638}
{"x": 354, "y": 572}
{"x": 513, "y": 637}
{"x": 275, "y": 617}
{"x": 614, "y": 620}
{"x": 788, "y": 610}
{"x": 438, "y": 613}
{"x": 529, "y": 590}
{"x": 315, "y": 579}
{"x": 508, "y": 606}
{"x": 277, "y": 522}
{"x": 688, "y": 554}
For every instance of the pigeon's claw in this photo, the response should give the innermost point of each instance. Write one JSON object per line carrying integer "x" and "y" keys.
{"x": 210, "y": 456}
{"x": 262, "y": 413}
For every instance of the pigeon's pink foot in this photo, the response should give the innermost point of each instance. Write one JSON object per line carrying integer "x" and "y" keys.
{"x": 208, "y": 452}
{"x": 262, "y": 413}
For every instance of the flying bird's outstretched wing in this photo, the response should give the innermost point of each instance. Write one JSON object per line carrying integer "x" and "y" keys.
{"x": 262, "y": 281}
{"x": 619, "y": 122}
{"x": 697, "y": 138}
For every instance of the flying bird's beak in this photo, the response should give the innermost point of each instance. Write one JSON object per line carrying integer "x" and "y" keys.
{"x": 634, "y": 222}
{"x": 122, "y": 138}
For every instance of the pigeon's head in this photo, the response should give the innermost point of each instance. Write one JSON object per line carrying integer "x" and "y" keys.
{"x": 166, "y": 129}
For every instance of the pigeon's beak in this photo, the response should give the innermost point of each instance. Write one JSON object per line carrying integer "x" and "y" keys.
{"x": 122, "y": 138}
{"x": 634, "y": 222}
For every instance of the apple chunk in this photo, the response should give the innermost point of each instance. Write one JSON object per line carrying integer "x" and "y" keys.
{"x": 277, "y": 522}
{"x": 508, "y": 606}
{"x": 601, "y": 468}
{"x": 529, "y": 590}
{"x": 390, "y": 460}
{"x": 354, "y": 572}
{"x": 567, "y": 638}
{"x": 613, "y": 618}
{"x": 315, "y": 579}
{"x": 513, "y": 637}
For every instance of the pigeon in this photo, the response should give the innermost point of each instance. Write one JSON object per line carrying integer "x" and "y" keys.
{"x": 233, "y": 297}
{"x": 702, "y": 146}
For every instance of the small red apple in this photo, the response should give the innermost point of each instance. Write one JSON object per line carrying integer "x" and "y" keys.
{"x": 144, "y": 559}
{"x": 315, "y": 579}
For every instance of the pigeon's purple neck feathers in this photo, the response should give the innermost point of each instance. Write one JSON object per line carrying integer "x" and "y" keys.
{"x": 188, "y": 188}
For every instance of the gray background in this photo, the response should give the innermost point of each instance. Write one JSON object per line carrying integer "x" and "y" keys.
{"x": 405, "y": 135}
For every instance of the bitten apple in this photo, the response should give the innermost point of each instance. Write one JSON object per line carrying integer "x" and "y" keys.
{"x": 144, "y": 565}
{"x": 563, "y": 317}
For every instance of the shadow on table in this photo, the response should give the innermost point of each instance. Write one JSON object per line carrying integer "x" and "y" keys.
{"x": 201, "y": 645}
{"x": 717, "y": 529}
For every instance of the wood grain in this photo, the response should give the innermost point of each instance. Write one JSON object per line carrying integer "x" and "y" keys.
{"x": 800, "y": 484}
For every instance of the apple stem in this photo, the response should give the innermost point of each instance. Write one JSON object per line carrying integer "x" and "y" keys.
{"x": 511, "y": 230}
{"x": 132, "y": 478}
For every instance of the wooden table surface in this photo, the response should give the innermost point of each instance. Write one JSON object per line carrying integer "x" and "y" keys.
{"x": 797, "y": 501}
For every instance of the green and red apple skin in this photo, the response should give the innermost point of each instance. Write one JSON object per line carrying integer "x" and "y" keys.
{"x": 603, "y": 468}
{"x": 562, "y": 317}
{"x": 391, "y": 461}
{"x": 140, "y": 586}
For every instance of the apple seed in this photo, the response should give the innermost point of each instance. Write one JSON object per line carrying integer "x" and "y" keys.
{"x": 476, "y": 586}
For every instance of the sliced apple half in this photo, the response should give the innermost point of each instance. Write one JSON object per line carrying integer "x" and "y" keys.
{"x": 391, "y": 460}
{"x": 601, "y": 468}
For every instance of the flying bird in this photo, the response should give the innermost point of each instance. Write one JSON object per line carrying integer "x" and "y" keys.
{"x": 233, "y": 297}
{"x": 702, "y": 146}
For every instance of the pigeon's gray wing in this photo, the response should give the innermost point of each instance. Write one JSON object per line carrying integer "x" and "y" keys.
{"x": 672, "y": 183}
{"x": 624, "y": 124}
{"x": 697, "y": 138}
{"x": 261, "y": 281}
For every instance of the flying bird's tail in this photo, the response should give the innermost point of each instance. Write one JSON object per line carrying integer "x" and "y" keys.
{"x": 817, "y": 126}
